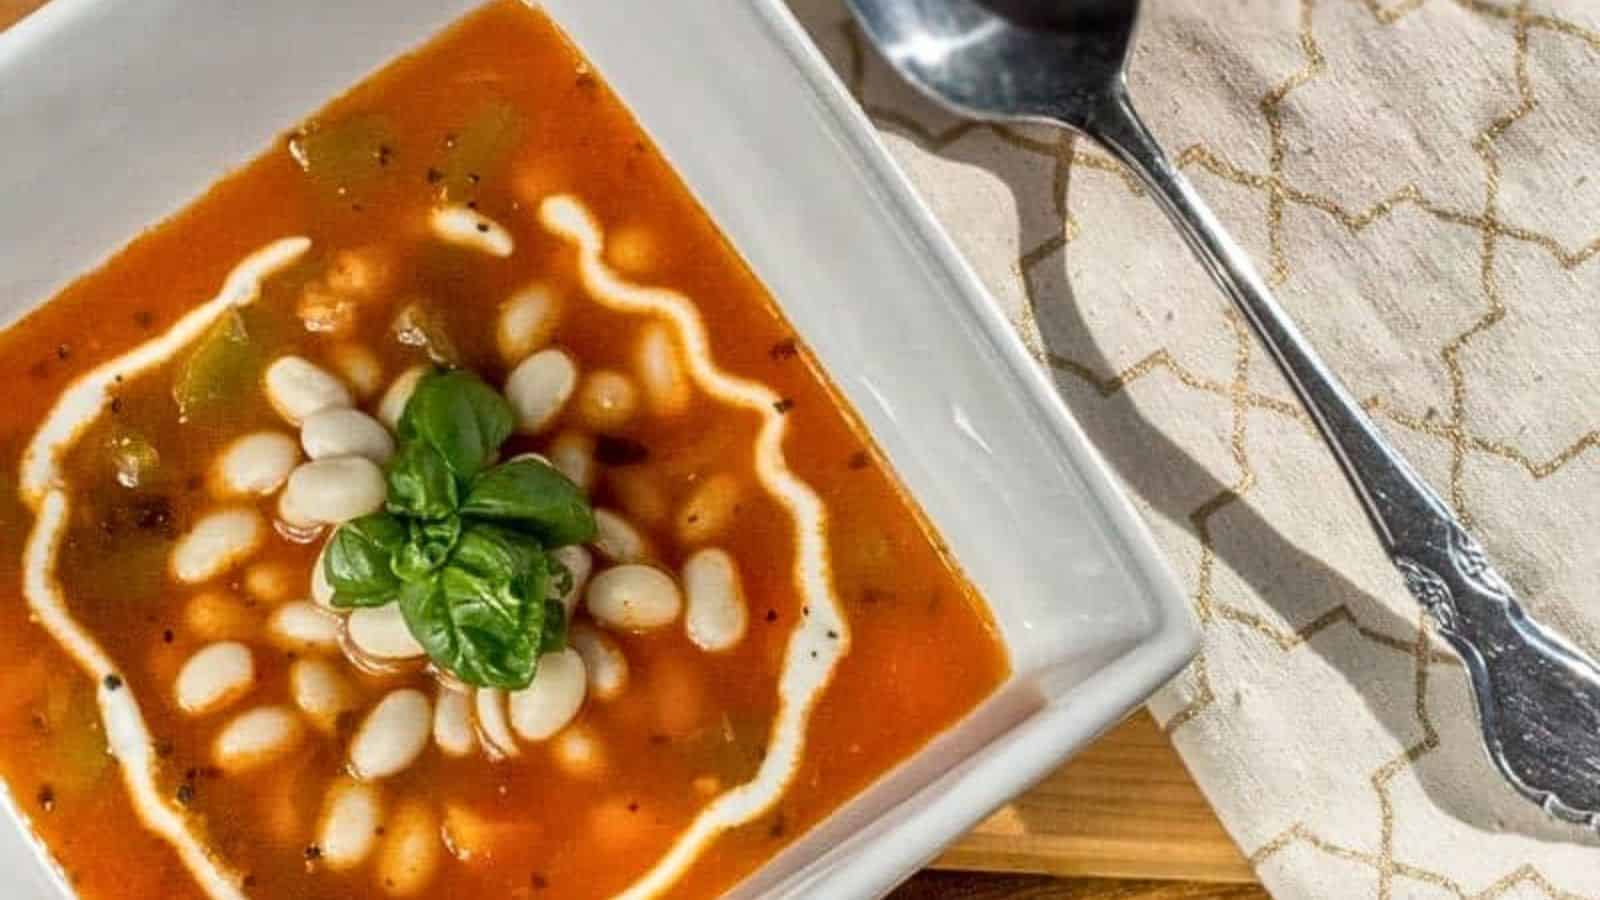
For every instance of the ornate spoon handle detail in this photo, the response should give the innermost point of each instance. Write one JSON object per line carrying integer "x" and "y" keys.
{"x": 1538, "y": 696}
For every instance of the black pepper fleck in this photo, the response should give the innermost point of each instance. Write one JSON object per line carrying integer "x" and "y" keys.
{"x": 167, "y": 636}
{"x": 185, "y": 795}
{"x": 833, "y": 635}
{"x": 313, "y": 853}
{"x": 47, "y": 798}
{"x": 63, "y": 351}
{"x": 434, "y": 175}
{"x": 116, "y": 405}
{"x": 483, "y": 228}
{"x": 772, "y": 615}
{"x": 113, "y": 682}
{"x": 859, "y": 460}
{"x": 784, "y": 349}
{"x": 783, "y": 406}
{"x": 143, "y": 318}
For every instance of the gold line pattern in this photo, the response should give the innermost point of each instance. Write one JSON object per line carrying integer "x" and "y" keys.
{"x": 1450, "y": 428}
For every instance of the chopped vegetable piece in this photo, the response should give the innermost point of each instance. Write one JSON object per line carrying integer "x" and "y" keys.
{"x": 419, "y": 326}
{"x": 133, "y": 458}
{"x": 344, "y": 156}
{"x": 222, "y": 366}
{"x": 478, "y": 149}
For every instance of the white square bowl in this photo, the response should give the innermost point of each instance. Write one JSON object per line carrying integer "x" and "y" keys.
{"x": 116, "y": 114}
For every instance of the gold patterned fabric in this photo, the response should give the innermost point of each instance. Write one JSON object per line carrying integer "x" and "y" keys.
{"x": 1418, "y": 180}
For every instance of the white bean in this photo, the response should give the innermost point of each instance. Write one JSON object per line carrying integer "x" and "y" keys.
{"x": 256, "y": 738}
{"x": 452, "y": 723}
{"x": 607, "y": 400}
{"x": 469, "y": 228}
{"x": 302, "y": 627}
{"x": 352, "y": 819}
{"x": 493, "y": 729}
{"x": 617, "y": 539}
{"x": 255, "y": 464}
{"x": 639, "y": 492}
{"x": 572, "y": 454}
{"x": 297, "y": 387}
{"x": 579, "y": 753}
{"x": 393, "y": 735}
{"x": 362, "y": 272}
{"x": 539, "y": 387}
{"x": 321, "y": 590}
{"x": 603, "y": 661}
{"x": 409, "y": 856}
{"x": 633, "y": 597}
{"x": 218, "y": 542}
{"x": 218, "y": 616}
{"x": 331, "y": 491}
{"x": 215, "y": 676}
{"x": 321, "y": 691}
{"x": 631, "y": 248}
{"x": 272, "y": 582}
{"x": 381, "y": 632}
{"x": 666, "y": 384}
{"x": 717, "y": 616}
{"x": 709, "y": 510}
{"x": 359, "y": 366}
{"x": 393, "y": 404}
{"x": 546, "y": 706}
{"x": 346, "y": 432}
{"x": 527, "y": 322}
{"x": 579, "y": 563}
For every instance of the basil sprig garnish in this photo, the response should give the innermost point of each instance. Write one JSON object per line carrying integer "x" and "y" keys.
{"x": 463, "y": 546}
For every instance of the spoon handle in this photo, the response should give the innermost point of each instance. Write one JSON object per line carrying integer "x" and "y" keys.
{"x": 1529, "y": 682}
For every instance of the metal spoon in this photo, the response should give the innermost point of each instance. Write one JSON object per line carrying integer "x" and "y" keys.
{"x": 1063, "y": 62}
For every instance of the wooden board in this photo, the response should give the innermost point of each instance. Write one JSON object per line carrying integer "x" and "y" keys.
{"x": 1124, "y": 808}
{"x": 931, "y": 885}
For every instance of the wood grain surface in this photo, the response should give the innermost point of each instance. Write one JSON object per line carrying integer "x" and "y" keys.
{"x": 1125, "y": 808}
{"x": 976, "y": 886}
{"x": 1125, "y": 811}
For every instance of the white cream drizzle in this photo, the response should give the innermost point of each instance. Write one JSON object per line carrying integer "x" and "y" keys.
{"x": 812, "y": 654}
{"x": 46, "y": 493}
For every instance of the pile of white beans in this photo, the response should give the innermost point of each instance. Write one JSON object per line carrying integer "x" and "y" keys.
{"x": 333, "y": 473}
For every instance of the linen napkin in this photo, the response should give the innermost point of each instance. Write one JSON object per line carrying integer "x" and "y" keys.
{"x": 1420, "y": 181}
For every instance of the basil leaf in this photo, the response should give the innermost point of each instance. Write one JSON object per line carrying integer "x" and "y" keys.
{"x": 483, "y": 630}
{"x": 420, "y": 484}
{"x": 427, "y": 547}
{"x": 359, "y": 561}
{"x": 489, "y": 550}
{"x": 554, "y": 632}
{"x": 459, "y": 416}
{"x": 532, "y": 496}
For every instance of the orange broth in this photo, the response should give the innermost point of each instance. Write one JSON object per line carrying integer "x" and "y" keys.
{"x": 922, "y": 651}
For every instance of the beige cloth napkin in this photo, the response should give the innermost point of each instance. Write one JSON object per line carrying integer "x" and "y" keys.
{"x": 1419, "y": 180}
